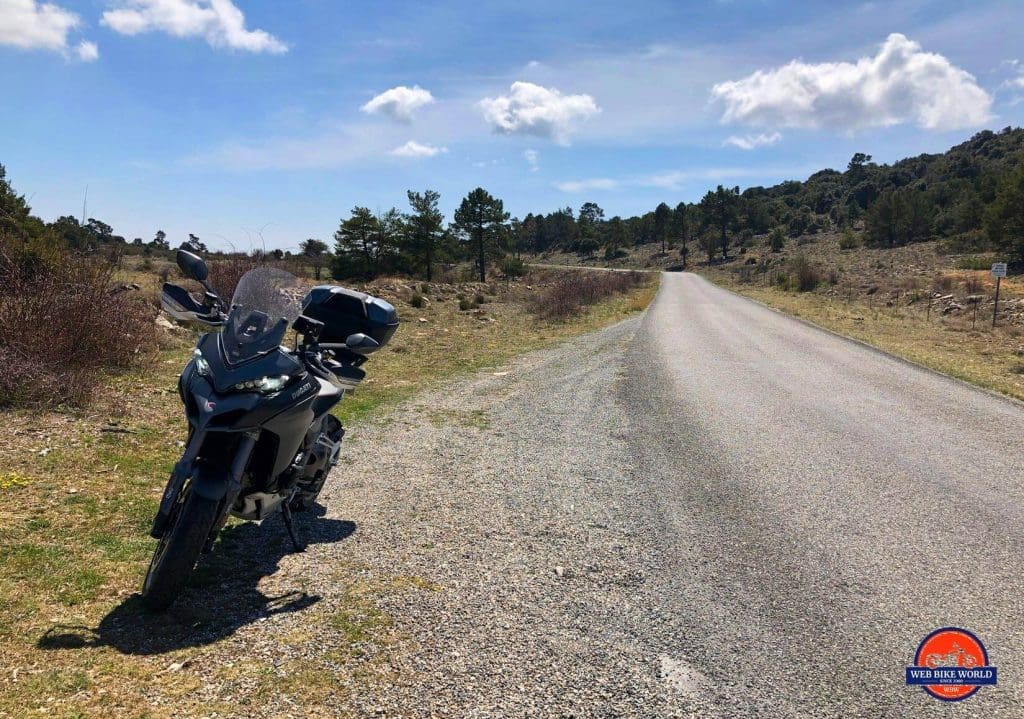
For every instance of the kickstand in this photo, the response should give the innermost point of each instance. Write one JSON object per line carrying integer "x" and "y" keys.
{"x": 286, "y": 510}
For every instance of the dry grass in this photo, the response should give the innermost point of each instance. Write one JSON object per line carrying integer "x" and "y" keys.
{"x": 79, "y": 490}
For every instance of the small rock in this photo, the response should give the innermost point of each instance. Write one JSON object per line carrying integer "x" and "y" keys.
{"x": 951, "y": 308}
{"x": 560, "y": 571}
{"x": 44, "y": 452}
{"x": 423, "y": 319}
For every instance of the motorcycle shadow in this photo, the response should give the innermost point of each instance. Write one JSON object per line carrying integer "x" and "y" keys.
{"x": 221, "y": 596}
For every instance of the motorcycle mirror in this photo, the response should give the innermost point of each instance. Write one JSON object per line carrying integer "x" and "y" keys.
{"x": 192, "y": 266}
{"x": 359, "y": 341}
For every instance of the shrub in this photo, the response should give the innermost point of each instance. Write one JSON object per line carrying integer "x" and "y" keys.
{"x": 417, "y": 300}
{"x": 806, "y": 276}
{"x": 974, "y": 263}
{"x": 61, "y": 328}
{"x": 573, "y": 291}
{"x": 465, "y": 304}
{"x": 777, "y": 240}
{"x": 513, "y": 267}
{"x": 480, "y": 298}
{"x": 225, "y": 274}
{"x": 848, "y": 241}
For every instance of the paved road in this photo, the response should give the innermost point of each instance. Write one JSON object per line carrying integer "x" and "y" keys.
{"x": 710, "y": 510}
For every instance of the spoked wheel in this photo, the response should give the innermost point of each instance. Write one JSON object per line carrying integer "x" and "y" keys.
{"x": 175, "y": 556}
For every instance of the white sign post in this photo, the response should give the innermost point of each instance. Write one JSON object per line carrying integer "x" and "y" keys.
{"x": 999, "y": 272}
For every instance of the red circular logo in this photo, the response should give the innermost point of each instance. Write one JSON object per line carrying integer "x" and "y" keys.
{"x": 947, "y": 651}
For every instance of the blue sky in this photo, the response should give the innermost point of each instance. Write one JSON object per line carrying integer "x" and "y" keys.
{"x": 226, "y": 118}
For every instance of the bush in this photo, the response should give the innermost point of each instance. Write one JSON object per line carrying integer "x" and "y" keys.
{"x": 573, "y": 291}
{"x": 513, "y": 267}
{"x": 777, "y": 240}
{"x": 225, "y": 274}
{"x": 417, "y": 300}
{"x": 61, "y": 328}
{"x": 974, "y": 263}
{"x": 806, "y": 276}
{"x": 479, "y": 299}
{"x": 466, "y": 304}
{"x": 848, "y": 241}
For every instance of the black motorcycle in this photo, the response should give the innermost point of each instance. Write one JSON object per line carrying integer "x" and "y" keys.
{"x": 261, "y": 438}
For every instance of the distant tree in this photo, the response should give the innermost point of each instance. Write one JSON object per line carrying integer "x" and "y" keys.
{"x": 708, "y": 241}
{"x": 777, "y": 240}
{"x": 193, "y": 244}
{"x": 898, "y": 217}
{"x": 424, "y": 228}
{"x": 356, "y": 251}
{"x": 719, "y": 207}
{"x": 15, "y": 214}
{"x": 589, "y": 225}
{"x": 481, "y": 218}
{"x": 160, "y": 241}
{"x": 100, "y": 230}
{"x": 615, "y": 238}
{"x": 1004, "y": 219}
{"x": 681, "y": 228}
{"x": 72, "y": 234}
{"x": 858, "y": 162}
{"x": 662, "y": 225}
{"x": 316, "y": 252}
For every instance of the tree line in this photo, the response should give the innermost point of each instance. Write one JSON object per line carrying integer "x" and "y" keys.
{"x": 973, "y": 195}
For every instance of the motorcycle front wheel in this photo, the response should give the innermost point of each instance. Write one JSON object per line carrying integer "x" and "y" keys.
{"x": 179, "y": 548}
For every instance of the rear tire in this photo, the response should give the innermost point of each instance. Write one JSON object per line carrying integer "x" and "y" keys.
{"x": 176, "y": 554}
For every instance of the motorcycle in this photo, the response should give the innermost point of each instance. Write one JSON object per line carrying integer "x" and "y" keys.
{"x": 261, "y": 438}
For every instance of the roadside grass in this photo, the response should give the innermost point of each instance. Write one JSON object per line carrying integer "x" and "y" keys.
{"x": 990, "y": 358}
{"x": 78, "y": 491}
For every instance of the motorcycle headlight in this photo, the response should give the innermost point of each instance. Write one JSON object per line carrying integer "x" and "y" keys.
{"x": 202, "y": 366}
{"x": 264, "y": 385}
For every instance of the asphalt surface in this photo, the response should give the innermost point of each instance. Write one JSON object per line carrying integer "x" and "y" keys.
{"x": 709, "y": 510}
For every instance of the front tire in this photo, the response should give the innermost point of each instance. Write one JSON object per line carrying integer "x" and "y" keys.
{"x": 176, "y": 554}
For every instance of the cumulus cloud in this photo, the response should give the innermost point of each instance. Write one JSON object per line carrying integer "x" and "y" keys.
{"x": 219, "y": 22}
{"x": 901, "y": 83}
{"x": 399, "y": 103}
{"x": 418, "y": 150}
{"x": 532, "y": 159}
{"x": 28, "y": 24}
{"x": 751, "y": 142}
{"x": 530, "y": 109}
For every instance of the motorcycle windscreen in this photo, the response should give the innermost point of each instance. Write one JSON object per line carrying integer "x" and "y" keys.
{"x": 266, "y": 302}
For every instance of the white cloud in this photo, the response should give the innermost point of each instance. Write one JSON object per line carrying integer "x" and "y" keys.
{"x": 750, "y": 142}
{"x": 28, "y": 24}
{"x": 532, "y": 159}
{"x": 87, "y": 51}
{"x": 219, "y": 22}
{"x": 417, "y": 150}
{"x": 901, "y": 83}
{"x": 399, "y": 103}
{"x": 1017, "y": 67}
{"x": 531, "y": 109}
{"x": 577, "y": 186}
{"x": 677, "y": 179}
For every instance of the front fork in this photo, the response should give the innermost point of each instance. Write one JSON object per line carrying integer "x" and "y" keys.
{"x": 227, "y": 488}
